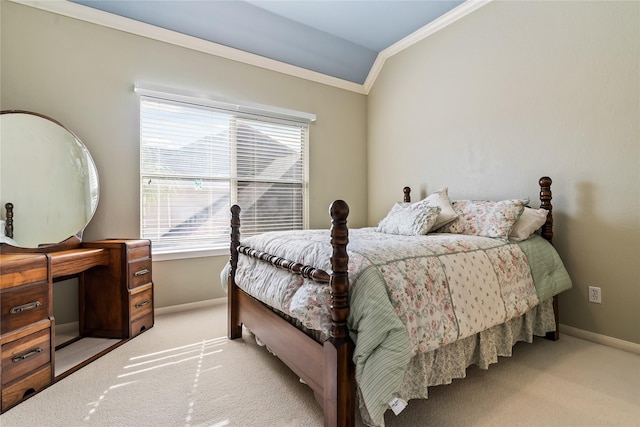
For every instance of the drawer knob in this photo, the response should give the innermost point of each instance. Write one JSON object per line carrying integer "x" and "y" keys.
{"x": 21, "y": 357}
{"x": 142, "y": 303}
{"x": 141, "y": 272}
{"x": 25, "y": 307}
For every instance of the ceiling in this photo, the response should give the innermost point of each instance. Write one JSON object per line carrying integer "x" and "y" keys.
{"x": 341, "y": 38}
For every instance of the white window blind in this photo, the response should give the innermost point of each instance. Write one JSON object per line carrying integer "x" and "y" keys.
{"x": 197, "y": 160}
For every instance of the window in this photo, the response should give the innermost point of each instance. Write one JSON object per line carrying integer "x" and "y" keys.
{"x": 196, "y": 160}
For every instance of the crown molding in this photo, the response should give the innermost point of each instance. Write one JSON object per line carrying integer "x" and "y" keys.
{"x": 106, "y": 19}
{"x": 434, "y": 26}
{"x": 116, "y": 22}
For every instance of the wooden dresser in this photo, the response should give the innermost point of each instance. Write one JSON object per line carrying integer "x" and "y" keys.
{"x": 115, "y": 301}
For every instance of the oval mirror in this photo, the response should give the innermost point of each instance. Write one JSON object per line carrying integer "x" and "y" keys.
{"x": 49, "y": 177}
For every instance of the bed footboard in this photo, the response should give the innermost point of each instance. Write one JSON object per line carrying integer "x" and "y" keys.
{"x": 327, "y": 368}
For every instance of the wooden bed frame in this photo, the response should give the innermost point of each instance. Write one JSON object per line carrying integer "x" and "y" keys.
{"x": 326, "y": 367}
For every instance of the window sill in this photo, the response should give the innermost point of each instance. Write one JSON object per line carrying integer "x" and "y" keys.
{"x": 188, "y": 254}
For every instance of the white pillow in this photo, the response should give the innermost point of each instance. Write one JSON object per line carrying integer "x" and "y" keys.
{"x": 409, "y": 220}
{"x": 529, "y": 222}
{"x": 440, "y": 199}
{"x": 485, "y": 217}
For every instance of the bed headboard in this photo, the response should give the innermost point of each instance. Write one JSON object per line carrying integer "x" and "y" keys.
{"x": 546, "y": 230}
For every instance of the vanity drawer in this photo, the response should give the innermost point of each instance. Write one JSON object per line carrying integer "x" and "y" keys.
{"x": 138, "y": 252}
{"x": 21, "y": 269}
{"x": 139, "y": 273}
{"x": 141, "y": 303}
{"x": 23, "y": 305}
{"x": 25, "y": 387}
{"x": 141, "y": 310}
{"x": 25, "y": 354}
{"x": 140, "y": 325}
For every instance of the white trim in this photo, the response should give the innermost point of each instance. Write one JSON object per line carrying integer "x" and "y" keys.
{"x": 601, "y": 339}
{"x": 106, "y": 19}
{"x": 160, "y": 311}
{"x": 565, "y": 329}
{"x": 448, "y": 18}
{"x": 217, "y": 101}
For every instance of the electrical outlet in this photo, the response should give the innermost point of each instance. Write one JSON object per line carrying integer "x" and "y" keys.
{"x": 595, "y": 294}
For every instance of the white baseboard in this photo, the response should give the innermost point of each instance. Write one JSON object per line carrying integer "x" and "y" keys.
{"x": 569, "y": 330}
{"x": 601, "y": 339}
{"x": 189, "y": 306}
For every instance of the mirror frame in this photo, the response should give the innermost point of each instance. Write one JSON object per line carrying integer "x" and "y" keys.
{"x": 72, "y": 241}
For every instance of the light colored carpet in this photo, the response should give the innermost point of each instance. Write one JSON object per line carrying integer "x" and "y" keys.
{"x": 184, "y": 372}
{"x": 71, "y": 355}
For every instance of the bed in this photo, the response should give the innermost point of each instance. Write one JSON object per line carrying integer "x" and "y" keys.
{"x": 389, "y": 311}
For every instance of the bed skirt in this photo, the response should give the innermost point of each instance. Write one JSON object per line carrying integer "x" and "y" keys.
{"x": 447, "y": 363}
{"x": 443, "y": 365}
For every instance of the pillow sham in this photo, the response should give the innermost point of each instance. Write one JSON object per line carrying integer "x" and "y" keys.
{"x": 529, "y": 222}
{"x": 485, "y": 218}
{"x": 440, "y": 199}
{"x": 409, "y": 220}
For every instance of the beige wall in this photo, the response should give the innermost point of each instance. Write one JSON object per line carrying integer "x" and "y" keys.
{"x": 82, "y": 75}
{"x": 514, "y": 91}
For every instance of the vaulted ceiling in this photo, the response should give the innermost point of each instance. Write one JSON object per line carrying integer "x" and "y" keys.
{"x": 337, "y": 38}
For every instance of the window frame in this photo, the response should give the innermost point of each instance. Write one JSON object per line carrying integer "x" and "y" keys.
{"x": 242, "y": 109}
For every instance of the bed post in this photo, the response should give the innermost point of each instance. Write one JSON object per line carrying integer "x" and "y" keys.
{"x": 8, "y": 227}
{"x": 547, "y": 233}
{"x": 545, "y": 203}
{"x": 339, "y": 371}
{"x": 234, "y": 327}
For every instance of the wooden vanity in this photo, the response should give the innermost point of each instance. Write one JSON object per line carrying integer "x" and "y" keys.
{"x": 115, "y": 287}
{"x": 115, "y": 300}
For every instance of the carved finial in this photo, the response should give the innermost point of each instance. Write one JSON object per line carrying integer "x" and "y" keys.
{"x": 407, "y": 194}
{"x": 545, "y": 181}
{"x": 545, "y": 203}
{"x": 339, "y": 210}
{"x": 8, "y": 227}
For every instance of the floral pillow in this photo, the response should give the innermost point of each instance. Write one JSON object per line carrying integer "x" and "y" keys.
{"x": 440, "y": 199}
{"x": 529, "y": 222}
{"x": 409, "y": 220}
{"x": 485, "y": 218}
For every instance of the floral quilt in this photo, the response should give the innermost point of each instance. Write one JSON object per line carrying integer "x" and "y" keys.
{"x": 409, "y": 295}
{"x": 443, "y": 287}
